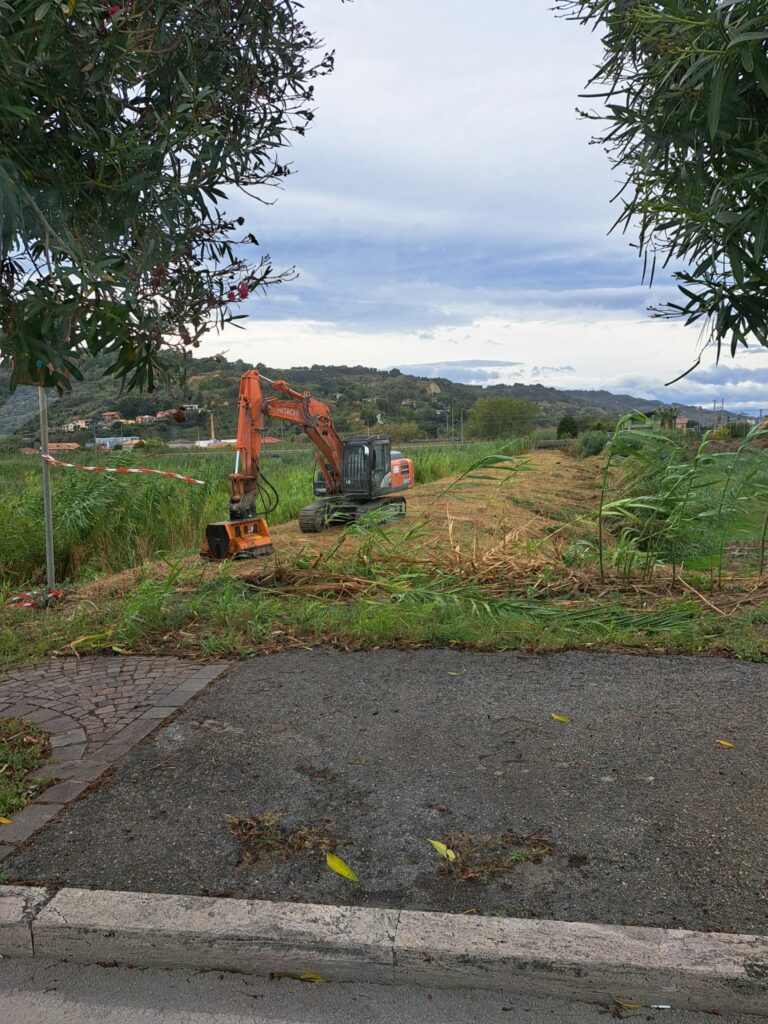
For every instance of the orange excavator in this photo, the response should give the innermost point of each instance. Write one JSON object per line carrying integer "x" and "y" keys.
{"x": 355, "y": 475}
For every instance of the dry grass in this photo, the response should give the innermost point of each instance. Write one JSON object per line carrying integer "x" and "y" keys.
{"x": 263, "y": 840}
{"x": 481, "y": 858}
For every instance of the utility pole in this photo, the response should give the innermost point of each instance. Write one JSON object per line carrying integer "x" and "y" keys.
{"x": 462, "y": 426}
{"x": 50, "y": 571}
{"x": 453, "y": 432}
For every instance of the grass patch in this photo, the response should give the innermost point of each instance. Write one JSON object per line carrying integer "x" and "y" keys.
{"x": 481, "y": 858}
{"x": 224, "y": 616}
{"x": 263, "y": 840}
{"x": 23, "y": 747}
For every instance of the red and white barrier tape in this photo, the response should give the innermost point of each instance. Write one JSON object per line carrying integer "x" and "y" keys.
{"x": 121, "y": 469}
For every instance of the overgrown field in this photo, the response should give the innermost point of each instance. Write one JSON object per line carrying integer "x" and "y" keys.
{"x": 105, "y": 522}
{"x": 658, "y": 545}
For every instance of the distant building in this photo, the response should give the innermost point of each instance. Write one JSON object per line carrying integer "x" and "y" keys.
{"x": 54, "y": 446}
{"x": 105, "y": 417}
{"x": 165, "y": 413}
{"x": 209, "y": 443}
{"x": 191, "y": 408}
{"x": 410, "y": 402}
{"x": 74, "y": 425}
{"x": 681, "y": 423}
{"x": 108, "y": 443}
{"x": 146, "y": 419}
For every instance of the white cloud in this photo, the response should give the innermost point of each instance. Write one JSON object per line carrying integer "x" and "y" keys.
{"x": 448, "y": 203}
{"x": 589, "y": 355}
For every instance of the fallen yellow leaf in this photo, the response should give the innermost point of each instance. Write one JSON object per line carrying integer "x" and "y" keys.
{"x": 627, "y": 1006}
{"x": 5, "y": 821}
{"x": 442, "y": 849}
{"x": 308, "y": 976}
{"x": 724, "y": 743}
{"x": 470, "y": 910}
{"x": 559, "y": 718}
{"x": 337, "y": 864}
{"x": 454, "y": 673}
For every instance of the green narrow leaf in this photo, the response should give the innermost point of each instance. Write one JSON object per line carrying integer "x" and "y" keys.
{"x": 716, "y": 98}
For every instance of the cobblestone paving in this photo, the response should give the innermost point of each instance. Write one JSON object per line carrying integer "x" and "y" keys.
{"x": 95, "y": 710}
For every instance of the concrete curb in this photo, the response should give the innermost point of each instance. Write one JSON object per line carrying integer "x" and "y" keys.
{"x": 587, "y": 962}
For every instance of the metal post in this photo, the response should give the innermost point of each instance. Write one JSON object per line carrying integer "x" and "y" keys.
{"x": 462, "y": 426}
{"x": 50, "y": 571}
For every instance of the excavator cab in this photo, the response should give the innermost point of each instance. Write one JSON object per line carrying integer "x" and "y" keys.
{"x": 365, "y": 463}
{"x": 370, "y": 468}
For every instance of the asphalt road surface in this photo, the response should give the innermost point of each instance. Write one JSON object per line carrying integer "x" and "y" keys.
{"x": 61, "y": 993}
{"x": 649, "y": 820}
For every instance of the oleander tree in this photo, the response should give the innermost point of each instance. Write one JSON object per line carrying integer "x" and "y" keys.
{"x": 125, "y": 130}
{"x": 683, "y": 90}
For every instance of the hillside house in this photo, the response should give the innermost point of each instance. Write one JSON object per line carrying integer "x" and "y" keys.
{"x": 681, "y": 423}
{"x": 53, "y": 447}
{"x": 146, "y": 419}
{"x": 107, "y": 417}
{"x": 73, "y": 425}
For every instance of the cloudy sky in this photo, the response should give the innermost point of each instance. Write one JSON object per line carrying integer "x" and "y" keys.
{"x": 448, "y": 216}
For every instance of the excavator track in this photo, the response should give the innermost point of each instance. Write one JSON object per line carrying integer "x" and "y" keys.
{"x": 313, "y": 518}
{"x": 330, "y": 512}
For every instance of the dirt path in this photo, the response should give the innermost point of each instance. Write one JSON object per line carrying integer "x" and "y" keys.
{"x": 643, "y": 817}
{"x": 553, "y": 489}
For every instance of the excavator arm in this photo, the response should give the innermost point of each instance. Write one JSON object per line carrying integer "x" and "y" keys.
{"x": 255, "y": 409}
{"x": 315, "y": 419}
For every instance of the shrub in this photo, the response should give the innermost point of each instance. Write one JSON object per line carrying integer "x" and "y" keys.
{"x": 567, "y": 427}
{"x": 592, "y": 443}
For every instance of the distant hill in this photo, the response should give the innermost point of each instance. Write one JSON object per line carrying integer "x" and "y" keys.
{"x": 359, "y": 396}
